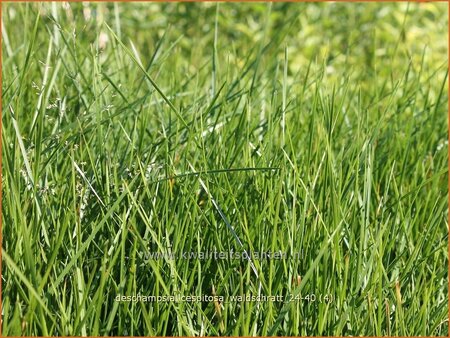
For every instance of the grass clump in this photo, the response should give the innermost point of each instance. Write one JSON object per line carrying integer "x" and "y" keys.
{"x": 318, "y": 131}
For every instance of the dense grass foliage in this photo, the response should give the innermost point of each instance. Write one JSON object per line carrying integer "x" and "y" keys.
{"x": 316, "y": 130}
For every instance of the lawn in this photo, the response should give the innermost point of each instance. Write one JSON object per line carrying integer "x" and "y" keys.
{"x": 226, "y": 169}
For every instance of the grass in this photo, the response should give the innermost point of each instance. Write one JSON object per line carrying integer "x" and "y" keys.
{"x": 134, "y": 129}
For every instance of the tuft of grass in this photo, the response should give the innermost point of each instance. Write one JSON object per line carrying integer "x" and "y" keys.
{"x": 316, "y": 130}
